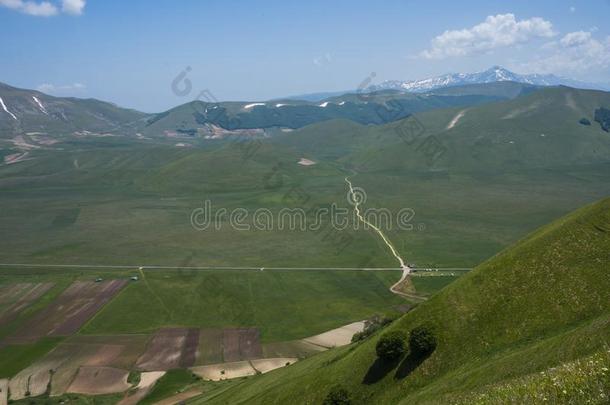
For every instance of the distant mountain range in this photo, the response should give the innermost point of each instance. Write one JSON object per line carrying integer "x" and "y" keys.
{"x": 491, "y": 75}
{"x": 28, "y": 111}
{"x": 25, "y": 111}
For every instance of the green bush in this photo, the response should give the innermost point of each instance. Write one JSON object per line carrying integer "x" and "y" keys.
{"x": 391, "y": 345}
{"x": 337, "y": 396}
{"x": 585, "y": 121}
{"x": 602, "y": 115}
{"x": 422, "y": 341}
{"x": 133, "y": 378}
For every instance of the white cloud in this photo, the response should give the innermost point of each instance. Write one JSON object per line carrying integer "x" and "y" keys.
{"x": 44, "y": 8}
{"x": 74, "y": 7}
{"x": 575, "y": 52}
{"x": 577, "y": 38}
{"x": 61, "y": 89}
{"x": 497, "y": 31}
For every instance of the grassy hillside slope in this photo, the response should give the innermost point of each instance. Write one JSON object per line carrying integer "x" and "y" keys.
{"x": 372, "y": 108}
{"x": 538, "y": 304}
{"x": 539, "y": 129}
{"x": 35, "y": 111}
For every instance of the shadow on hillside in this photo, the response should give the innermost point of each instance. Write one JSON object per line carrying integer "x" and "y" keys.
{"x": 409, "y": 364}
{"x": 378, "y": 370}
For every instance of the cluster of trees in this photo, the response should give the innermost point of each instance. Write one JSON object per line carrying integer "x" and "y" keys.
{"x": 393, "y": 345}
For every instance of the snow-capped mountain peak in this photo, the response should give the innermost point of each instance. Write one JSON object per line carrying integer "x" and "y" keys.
{"x": 491, "y": 75}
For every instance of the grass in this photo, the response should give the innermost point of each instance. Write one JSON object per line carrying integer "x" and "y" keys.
{"x": 14, "y": 358}
{"x": 427, "y": 285}
{"x": 138, "y": 197}
{"x": 173, "y": 382}
{"x": 584, "y": 381}
{"x": 285, "y": 305}
{"x": 539, "y": 304}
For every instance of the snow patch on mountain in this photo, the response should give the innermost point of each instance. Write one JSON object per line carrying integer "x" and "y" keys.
{"x": 44, "y": 110}
{"x": 6, "y": 109}
{"x": 248, "y": 106}
{"x": 456, "y": 119}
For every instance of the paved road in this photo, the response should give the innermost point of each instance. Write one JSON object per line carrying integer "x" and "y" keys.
{"x": 155, "y": 267}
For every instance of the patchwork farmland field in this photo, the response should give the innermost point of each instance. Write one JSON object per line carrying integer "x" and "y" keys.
{"x": 99, "y": 365}
{"x": 87, "y": 334}
{"x": 14, "y": 298}
{"x": 69, "y": 311}
{"x": 65, "y": 361}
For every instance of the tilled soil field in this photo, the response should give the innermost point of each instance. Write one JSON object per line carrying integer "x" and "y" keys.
{"x": 170, "y": 348}
{"x": 210, "y": 347}
{"x": 66, "y": 314}
{"x": 99, "y": 380}
{"x": 241, "y": 344}
{"x": 250, "y": 344}
{"x": 17, "y": 297}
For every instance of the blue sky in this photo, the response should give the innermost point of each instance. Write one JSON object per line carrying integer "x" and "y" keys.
{"x": 128, "y": 52}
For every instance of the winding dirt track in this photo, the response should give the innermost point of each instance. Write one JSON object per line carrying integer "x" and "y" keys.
{"x": 405, "y": 268}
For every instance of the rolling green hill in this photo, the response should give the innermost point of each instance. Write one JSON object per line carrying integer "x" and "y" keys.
{"x": 33, "y": 111}
{"x": 538, "y": 129}
{"x": 539, "y": 304}
{"x": 196, "y": 117}
{"x": 503, "y": 89}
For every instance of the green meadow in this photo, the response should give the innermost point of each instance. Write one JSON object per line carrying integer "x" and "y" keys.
{"x": 285, "y": 305}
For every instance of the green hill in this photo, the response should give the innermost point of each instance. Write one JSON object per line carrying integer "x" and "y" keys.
{"x": 504, "y": 89}
{"x": 33, "y": 111}
{"x": 196, "y": 117}
{"x": 542, "y": 303}
{"x": 538, "y": 129}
